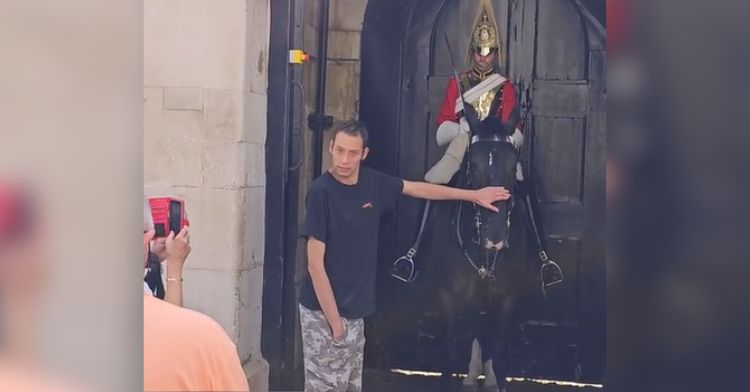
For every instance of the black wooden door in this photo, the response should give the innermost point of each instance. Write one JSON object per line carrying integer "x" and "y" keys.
{"x": 553, "y": 51}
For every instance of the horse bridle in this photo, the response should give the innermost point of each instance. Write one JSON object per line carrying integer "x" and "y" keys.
{"x": 484, "y": 271}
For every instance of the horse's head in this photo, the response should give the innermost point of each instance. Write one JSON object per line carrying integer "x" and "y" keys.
{"x": 493, "y": 156}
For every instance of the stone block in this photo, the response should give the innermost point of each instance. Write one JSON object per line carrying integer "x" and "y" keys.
{"x": 224, "y": 164}
{"x": 224, "y": 115}
{"x": 183, "y": 99}
{"x": 162, "y": 190}
{"x": 255, "y": 164}
{"x": 215, "y": 294}
{"x": 235, "y": 115}
{"x": 255, "y": 115}
{"x": 258, "y": 30}
{"x": 191, "y": 195}
{"x": 214, "y": 229}
{"x": 153, "y": 98}
{"x": 252, "y": 227}
{"x": 257, "y": 371}
{"x": 171, "y": 143}
{"x": 342, "y": 89}
{"x": 233, "y": 165}
{"x": 250, "y": 315}
{"x": 194, "y": 43}
{"x": 347, "y": 15}
{"x": 344, "y": 45}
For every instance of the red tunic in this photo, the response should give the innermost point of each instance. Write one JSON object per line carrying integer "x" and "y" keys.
{"x": 447, "y": 109}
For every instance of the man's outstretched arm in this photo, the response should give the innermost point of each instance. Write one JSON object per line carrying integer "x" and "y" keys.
{"x": 484, "y": 197}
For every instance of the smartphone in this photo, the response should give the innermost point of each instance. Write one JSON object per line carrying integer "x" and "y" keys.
{"x": 169, "y": 215}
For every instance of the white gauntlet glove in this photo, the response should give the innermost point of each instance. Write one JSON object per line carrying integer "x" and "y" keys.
{"x": 463, "y": 125}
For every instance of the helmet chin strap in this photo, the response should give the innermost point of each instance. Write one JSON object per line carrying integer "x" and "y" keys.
{"x": 482, "y": 73}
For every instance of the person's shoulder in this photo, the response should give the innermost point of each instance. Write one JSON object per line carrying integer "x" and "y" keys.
{"x": 320, "y": 184}
{"x": 451, "y": 84}
{"x": 507, "y": 82}
{"x": 379, "y": 175}
{"x": 319, "y": 181}
{"x": 366, "y": 171}
{"x": 198, "y": 335}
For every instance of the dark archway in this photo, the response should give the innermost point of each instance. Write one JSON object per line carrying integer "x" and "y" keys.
{"x": 554, "y": 51}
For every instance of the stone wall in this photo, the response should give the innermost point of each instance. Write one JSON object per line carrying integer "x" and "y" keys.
{"x": 205, "y": 105}
{"x": 342, "y": 81}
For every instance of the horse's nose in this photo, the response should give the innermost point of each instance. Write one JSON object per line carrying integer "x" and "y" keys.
{"x": 496, "y": 246}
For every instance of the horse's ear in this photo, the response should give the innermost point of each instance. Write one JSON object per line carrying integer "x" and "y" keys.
{"x": 493, "y": 126}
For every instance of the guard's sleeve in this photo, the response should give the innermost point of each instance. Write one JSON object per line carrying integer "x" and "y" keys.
{"x": 510, "y": 101}
{"x": 389, "y": 189}
{"x": 316, "y": 216}
{"x": 448, "y": 107}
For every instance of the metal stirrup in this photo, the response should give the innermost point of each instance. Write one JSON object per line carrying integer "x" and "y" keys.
{"x": 403, "y": 268}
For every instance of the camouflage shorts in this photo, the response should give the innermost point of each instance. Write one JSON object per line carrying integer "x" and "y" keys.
{"x": 331, "y": 365}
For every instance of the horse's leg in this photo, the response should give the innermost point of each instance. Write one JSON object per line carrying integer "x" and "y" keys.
{"x": 503, "y": 321}
{"x": 449, "y": 343}
{"x": 487, "y": 343}
{"x": 475, "y": 364}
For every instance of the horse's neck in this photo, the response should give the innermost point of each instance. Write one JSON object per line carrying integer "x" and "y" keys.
{"x": 461, "y": 180}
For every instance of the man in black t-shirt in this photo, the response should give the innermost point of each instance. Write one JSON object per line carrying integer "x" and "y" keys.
{"x": 344, "y": 206}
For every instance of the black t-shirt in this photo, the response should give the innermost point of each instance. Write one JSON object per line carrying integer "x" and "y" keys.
{"x": 347, "y": 219}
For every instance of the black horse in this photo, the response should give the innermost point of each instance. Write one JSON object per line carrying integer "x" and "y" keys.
{"x": 476, "y": 259}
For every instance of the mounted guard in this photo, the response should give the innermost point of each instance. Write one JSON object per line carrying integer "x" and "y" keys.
{"x": 492, "y": 102}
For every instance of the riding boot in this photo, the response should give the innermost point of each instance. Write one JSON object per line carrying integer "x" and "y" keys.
{"x": 519, "y": 172}
{"x": 449, "y": 164}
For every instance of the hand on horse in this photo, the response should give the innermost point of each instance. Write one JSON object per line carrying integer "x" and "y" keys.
{"x": 491, "y": 194}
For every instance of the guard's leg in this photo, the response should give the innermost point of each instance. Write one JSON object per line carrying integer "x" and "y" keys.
{"x": 504, "y": 319}
{"x": 449, "y": 164}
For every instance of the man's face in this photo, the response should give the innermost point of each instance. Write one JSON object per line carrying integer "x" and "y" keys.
{"x": 485, "y": 63}
{"x": 347, "y": 153}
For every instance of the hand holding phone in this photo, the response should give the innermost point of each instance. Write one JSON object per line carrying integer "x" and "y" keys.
{"x": 178, "y": 247}
{"x": 169, "y": 215}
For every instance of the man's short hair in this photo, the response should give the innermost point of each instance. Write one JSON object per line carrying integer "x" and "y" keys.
{"x": 353, "y": 128}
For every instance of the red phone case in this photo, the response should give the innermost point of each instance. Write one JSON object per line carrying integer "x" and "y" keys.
{"x": 169, "y": 214}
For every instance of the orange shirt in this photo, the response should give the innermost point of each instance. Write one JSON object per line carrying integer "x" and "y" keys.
{"x": 184, "y": 350}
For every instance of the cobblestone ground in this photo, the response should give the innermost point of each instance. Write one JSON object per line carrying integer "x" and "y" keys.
{"x": 374, "y": 381}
